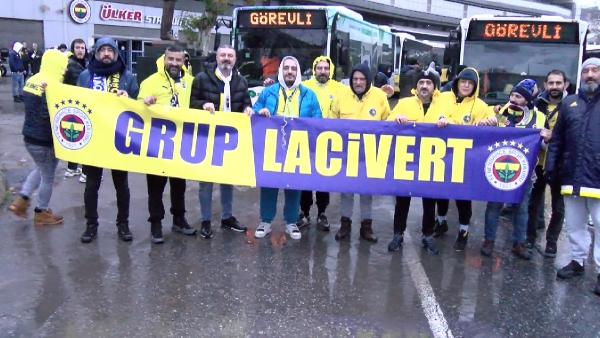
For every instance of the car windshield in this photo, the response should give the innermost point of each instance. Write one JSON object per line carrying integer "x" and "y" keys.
{"x": 503, "y": 64}
{"x": 259, "y": 51}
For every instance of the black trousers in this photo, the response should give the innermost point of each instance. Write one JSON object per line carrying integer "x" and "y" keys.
{"x": 536, "y": 202}
{"x": 156, "y": 188}
{"x": 90, "y": 195}
{"x": 306, "y": 201}
{"x": 72, "y": 165}
{"x": 465, "y": 210}
{"x": 401, "y": 215}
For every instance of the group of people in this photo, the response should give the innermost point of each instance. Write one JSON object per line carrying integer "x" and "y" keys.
{"x": 22, "y": 63}
{"x": 569, "y": 164}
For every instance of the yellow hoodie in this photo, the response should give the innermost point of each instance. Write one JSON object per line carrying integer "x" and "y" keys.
{"x": 52, "y": 69}
{"x": 326, "y": 92}
{"x": 373, "y": 106}
{"x": 163, "y": 87}
{"x": 471, "y": 109}
{"x": 412, "y": 108}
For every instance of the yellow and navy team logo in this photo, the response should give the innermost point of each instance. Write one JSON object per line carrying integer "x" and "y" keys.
{"x": 372, "y": 112}
{"x": 507, "y": 167}
{"x": 80, "y": 11}
{"x": 72, "y": 127}
{"x": 467, "y": 119}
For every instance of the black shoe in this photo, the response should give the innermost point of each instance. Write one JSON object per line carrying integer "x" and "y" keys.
{"x": 322, "y": 223}
{"x": 366, "y": 231}
{"x": 597, "y": 288}
{"x": 232, "y": 223}
{"x": 440, "y": 228}
{"x": 156, "y": 233}
{"x": 570, "y": 270}
{"x": 396, "y": 242}
{"x": 124, "y": 232}
{"x": 345, "y": 229}
{"x": 461, "y": 240}
{"x": 541, "y": 226}
{"x": 303, "y": 220}
{"x": 181, "y": 225}
{"x": 17, "y": 99}
{"x": 429, "y": 245}
{"x": 205, "y": 230}
{"x": 91, "y": 231}
{"x": 550, "y": 250}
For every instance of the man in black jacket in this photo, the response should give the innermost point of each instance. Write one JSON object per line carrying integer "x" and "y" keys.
{"x": 573, "y": 160}
{"x": 220, "y": 88}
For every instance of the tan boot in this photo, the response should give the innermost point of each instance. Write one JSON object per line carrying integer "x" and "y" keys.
{"x": 46, "y": 217}
{"x": 19, "y": 207}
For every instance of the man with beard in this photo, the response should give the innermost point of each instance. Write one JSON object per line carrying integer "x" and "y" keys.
{"x": 423, "y": 107}
{"x": 171, "y": 85}
{"x": 360, "y": 101}
{"x": 35, "y": 55}
{"x": 77, "y": 63}
{"x": 548, "y": 103}
{"x": 107, "y": 72}
{"x": 287, "y": 98}
{"x": 517, "y": 113}
{"x": 573, "y": 161}
{"x": 221, "y": 88}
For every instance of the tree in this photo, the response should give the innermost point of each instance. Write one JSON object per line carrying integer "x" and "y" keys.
{"x": 196, "y": 29}
{"x": 166, "y": 24}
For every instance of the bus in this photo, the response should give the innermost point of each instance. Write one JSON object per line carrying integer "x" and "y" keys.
{"x": 407, "y": 47}
{"x": 507, "y": 49}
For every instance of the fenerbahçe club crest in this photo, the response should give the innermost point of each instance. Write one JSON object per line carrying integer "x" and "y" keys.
{"x": 507, "y": 167}
{"x": 72, "y": 127}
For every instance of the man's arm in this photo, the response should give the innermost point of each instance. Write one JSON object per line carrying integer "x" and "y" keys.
{"x": 198, "y": 97}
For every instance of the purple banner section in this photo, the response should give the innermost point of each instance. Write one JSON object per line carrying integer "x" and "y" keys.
{"x": 385, "y": 158}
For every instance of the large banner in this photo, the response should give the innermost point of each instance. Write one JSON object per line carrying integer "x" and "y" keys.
{"x": 378, "y": 158}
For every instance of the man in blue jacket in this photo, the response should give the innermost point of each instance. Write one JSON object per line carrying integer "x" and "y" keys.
{"x": 18, "y": 71}
{"x": 107, "y": 72}
{"x": 286, "y": 98}
{"x": 573, "y": 161}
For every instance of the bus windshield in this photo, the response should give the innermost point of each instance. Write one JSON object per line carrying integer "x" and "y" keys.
{"x": 502, "y": 64}
{"x": 260, "y": 51}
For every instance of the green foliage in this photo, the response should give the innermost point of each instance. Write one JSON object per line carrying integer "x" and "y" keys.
{"x": 196, "y": 29}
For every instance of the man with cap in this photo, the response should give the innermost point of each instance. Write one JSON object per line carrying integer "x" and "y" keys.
{"x": 518, "y": 112}
{"x": 423, "y": 107}
{"x": 107, "y": 72}
{"x": 287, "y": 98}
{"x": 573, "y": 161}
{"x": 15, "y": 63}
{"x": 360, "y": 101}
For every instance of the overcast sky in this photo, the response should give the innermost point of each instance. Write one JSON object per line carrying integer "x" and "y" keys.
{"x": 588, "y": 3}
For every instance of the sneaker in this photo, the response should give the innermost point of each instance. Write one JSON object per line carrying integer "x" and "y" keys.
{"x": 570, "y": 270}
{"x": 91, "y": 231}
{"x": 550, "y": 250}
{"x": 529, "y": 245}
{"x": 71, "y": 172}
{"x": 396, "y": 242}
{"x": 46, "y": 217}
{"x": 429, "y": 245}
{"x": 156, "y": 235}
{"x": 597, "y": 288}
{"x": 19, "y": 207}
{"x": 232, "y": 223}
{"x": 440, "y": 228}
{"x": 303, "y": 221}
{"x": 487, "y": 248}
{"x": 322, "y": 223}
{"x": 293, "y": 231}
{"x": 590, "y": 222}
{"x": 205, "y": 230}
{"x": 461, "y": 240}
{"x": 124, "y": 232}
{"x": 82, "y": 178}
{"x": 262, "y": 230}
{"x": 521, "y": 251}
{"x": 181, "y": 225}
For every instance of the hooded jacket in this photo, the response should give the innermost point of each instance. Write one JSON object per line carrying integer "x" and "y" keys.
{"x": 371, "y": 105}
{"x": 325, "y": 92}
{"x": 542, "y": 103}
{"x": 36, "y": 127}
{"x": 469, "y": 110}
{"x": 207, "y": 87}
{"x": 271, "y": 97}
{"x": 162, "y": 86}
{"x": 14, "y": 59}
{"x": 412, "y": 108}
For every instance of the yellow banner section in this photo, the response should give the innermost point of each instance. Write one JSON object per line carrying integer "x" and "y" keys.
{"x": 103, "y": 130}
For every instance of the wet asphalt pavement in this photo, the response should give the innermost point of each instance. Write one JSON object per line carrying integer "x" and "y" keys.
{"x": 233, "y": 285}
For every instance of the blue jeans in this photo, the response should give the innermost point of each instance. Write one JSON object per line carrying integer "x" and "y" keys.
{"x": 42, "y": 176}
{"x": 268, "y": 205}
{"x": 519, "y": 213}
{"x": 205, "y": 197}
{"x": 18, "y": 81}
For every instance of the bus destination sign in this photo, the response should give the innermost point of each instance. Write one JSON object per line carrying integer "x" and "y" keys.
{"x": 282, "y": 19}
{"x": 523, "y": 31}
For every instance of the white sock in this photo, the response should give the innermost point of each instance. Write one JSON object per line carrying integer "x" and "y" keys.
{"x": 464, "y": 227}
{"x": 441, "y": 218}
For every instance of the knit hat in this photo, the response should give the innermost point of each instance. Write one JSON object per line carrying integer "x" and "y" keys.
{"x": 591, "y": 62}
{"x": 527, "y": 89}
{"x": 106, "y": 41}
{"x": 428, "y": 74}
{"x": 62, "y": 46}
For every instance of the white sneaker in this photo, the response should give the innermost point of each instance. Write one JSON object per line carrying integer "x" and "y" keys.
{"x": 262, "y": 230}
{"x": 82, "y": 178}
{"x": 70, "y": 173}
{"x": 293, "y": 231}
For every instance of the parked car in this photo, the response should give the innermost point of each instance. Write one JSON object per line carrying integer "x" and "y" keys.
{"x": 4, "y": 68}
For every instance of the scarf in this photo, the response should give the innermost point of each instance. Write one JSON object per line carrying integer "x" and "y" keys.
{"x": 226, "y": 97}
{"x": 105, "y": 77}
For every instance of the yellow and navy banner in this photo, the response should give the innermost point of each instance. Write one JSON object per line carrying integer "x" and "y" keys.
{"x": 378, "y": 158}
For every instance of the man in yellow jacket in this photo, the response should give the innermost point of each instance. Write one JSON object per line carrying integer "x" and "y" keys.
{"x": 171, "y": 86}
{"x": 359, "y": 102}
{"x": 423, "y": 107}
{"x": 326, "y": 89}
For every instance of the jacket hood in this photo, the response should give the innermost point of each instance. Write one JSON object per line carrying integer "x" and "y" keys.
{"x": 467, "y": 74}
{"x": 106, "y": 41}
{"x": 52, "y": 69}
{"x": 17, "y": 47}
{"x": 328, "y": 60}
{"x": 298, "y": 73}
{"x": 364, "y": 69}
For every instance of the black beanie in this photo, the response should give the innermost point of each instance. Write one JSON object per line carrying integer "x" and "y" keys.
{"x": 427, "y": 75}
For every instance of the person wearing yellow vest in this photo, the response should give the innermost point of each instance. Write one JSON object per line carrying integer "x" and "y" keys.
{"x": 360, "y": 101}
{"x": 326, "y": 89}
{"x": 171, "y": 85}
{"x": 423, "y": 107}
{"x": 519, "y": 112}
